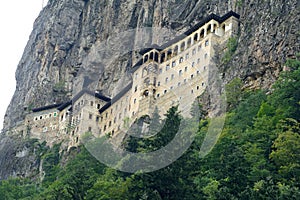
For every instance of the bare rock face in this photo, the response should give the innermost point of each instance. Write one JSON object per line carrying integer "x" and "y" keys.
{"x": 64, "y": 44}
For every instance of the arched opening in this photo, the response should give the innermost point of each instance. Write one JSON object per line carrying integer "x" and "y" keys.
{"x": 215, "y": 28}
{"x": 162, "y": 57}
{"x": 208, "y": 30}
{"x": 175, "y": 52}
{"x": 169, "y": 54}
{"x": 182, "y": 46}
{"x": 202, "y": 34}
{"x": 146, "y": 93}
{"x": 146, "y": 58}
{"x": 151, "y": 56}
{"x": 156, "y": 57}
{"x": 189, "y": 42}
{"x": 196, "y": 37}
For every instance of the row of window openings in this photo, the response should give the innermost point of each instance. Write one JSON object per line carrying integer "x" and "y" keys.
{"x": 169, "y": 53}
{"x": 45, "y": 129}
{"x": 113, "y": 131}
{"x": 117, "y": 106}
{"x": 46, "y": 116}
{"x": 180, "y": 74}
{"x": 91, "y": 104}
{"x": 115, "y": 121}
{"x": 192, "y": 91}
{"x": 180, "y": 61}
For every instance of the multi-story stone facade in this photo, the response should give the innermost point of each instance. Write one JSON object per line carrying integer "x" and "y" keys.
{"x": 171, "y": 74}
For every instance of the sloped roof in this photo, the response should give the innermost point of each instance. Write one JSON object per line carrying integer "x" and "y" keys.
{"x": 190, "y": 31}
{"x": 63, "y": 105}
{"x": 116, "y": 98}
{"x": 49, "y": 107}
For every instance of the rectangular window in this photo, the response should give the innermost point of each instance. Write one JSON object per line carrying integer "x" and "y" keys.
{"x": 206, "y": 43}
{"x": 92, "y": 103}
{"x": 90, "y": 116}
{"x": 194, "y": 51}
{"x": 97, "y": 119}
{"x": 180, "y": 72}
{"x": 181, "y": 60}
{"x": 173, "y": 63}
{"x": 185, "y": 69}
{"x": 167, "y": 67}
{"x": 160, "y": 70}
{"x": 167, "y": 79}
{"x": 172, "y": 76}
{"x": 187, "y": 56}
{"x": 90, "y": 129}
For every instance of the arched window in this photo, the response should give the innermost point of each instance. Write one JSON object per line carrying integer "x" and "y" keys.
{"x": 169, "y": 54}
{"x": 182, "y": 46}
{"x": 215, "y": 28}
{"x": 208, "y": 30}
{"x": 202, "y": 34}
{"x": 189, "y": 42}
{"x": 181, "y": 60}
{"x": 151, "y": 56}
{"x": 180, "y": 72}
{"x": 146, "y": 93}
{"x": 196, "y": 37}
{"x": 146, "y": 58}
{"x": 175, "y": 52}
{"x": 162, "y": 57}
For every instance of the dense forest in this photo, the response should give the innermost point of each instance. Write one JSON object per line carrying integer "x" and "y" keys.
{"x": 256, "y": 157}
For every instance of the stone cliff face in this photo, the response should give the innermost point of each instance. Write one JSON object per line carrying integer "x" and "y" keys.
{"x": 64, "y": 41}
